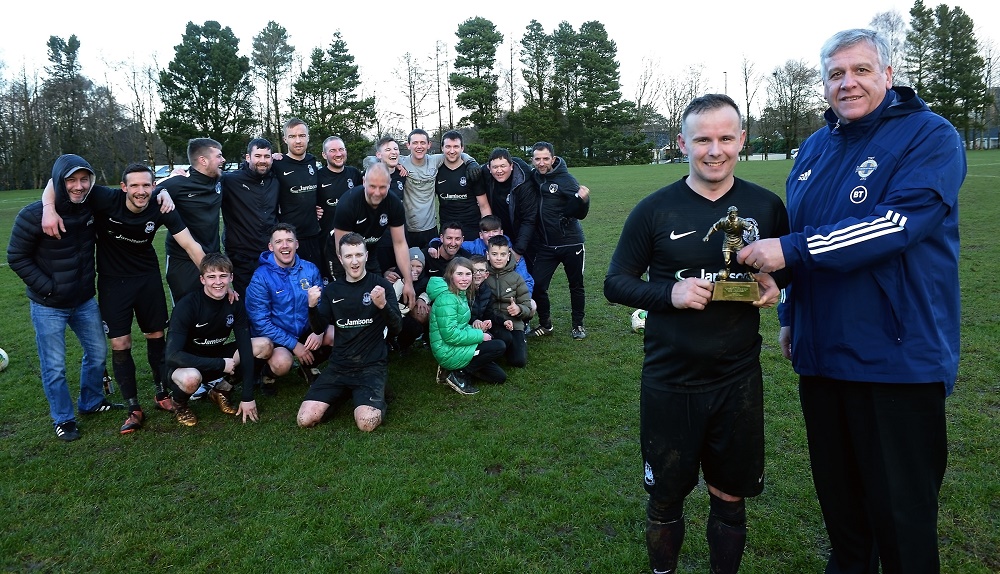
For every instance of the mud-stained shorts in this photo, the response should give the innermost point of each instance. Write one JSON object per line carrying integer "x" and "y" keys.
{"x": 721, "y": 431}
{"x": 367, "y": 385}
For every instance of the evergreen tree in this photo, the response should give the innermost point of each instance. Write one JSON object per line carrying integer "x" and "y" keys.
{"x": 919, "y": 46}
{"x": 206, "y": 91}
{"x": 956, "y": 89}
{"x": 564, "y": 90}
{"x": 64, "y": 95}
{"x": 272, "y": 60}
{"x": 536, "y": 56}
{"x": 604, "y": 119}
{"x": 474, "y": 79}
{"x": 326, "y": 97}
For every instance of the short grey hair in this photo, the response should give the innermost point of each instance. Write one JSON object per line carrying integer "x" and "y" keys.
{"x": 848, "y": 38}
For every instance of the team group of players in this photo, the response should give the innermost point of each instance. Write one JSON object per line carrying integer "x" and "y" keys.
{"x": 291, "y": 227}
{"x": 872, "y": 203}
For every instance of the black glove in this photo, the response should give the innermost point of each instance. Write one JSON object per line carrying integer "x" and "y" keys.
{"x": 473, "y": 173}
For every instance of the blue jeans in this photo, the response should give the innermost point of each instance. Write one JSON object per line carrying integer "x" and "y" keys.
{"x": 50, "y": 336}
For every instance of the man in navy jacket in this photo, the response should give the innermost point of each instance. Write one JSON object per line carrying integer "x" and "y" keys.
{"x": 872, "y": 317}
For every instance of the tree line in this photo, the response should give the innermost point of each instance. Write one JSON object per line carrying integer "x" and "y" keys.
{"x": 561, "y": 86}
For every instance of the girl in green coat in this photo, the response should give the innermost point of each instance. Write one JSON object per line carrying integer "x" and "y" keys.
{"x": 461, "y": 350}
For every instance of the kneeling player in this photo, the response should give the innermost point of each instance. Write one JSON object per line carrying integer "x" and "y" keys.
{"x": 197, "y": 352}
{"x": 364, "y": 311}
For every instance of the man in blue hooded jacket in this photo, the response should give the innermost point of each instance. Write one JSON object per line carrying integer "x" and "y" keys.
{"x": 872, "y": 317}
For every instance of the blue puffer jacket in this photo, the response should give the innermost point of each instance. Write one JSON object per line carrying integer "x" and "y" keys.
{"x": 453, "y": 339}
{"x": 277, "y": 299}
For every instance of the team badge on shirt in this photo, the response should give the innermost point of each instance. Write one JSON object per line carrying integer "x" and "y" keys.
{"x": 553, "y": 187}
{"x": 384, "y": 220}
{"x": 866, "y": 168}
{"x": 367, "y": 299}
{"x": 462, "y": 181}
{"x": 752, "y": 234}
{"x": 229, "y": 320}
{"x": 350, "y": 183}
{"x": 311, "y": 170}
{"x": 150, "y": 227}
{"x": 304, "y": 283}
{"x": 218, "y": 187}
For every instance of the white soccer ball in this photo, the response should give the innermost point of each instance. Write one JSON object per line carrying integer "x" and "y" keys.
{"x": 639, "y": 321}
{"x": 4, "y": 359}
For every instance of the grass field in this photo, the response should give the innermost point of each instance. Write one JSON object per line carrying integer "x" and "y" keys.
{"x": 539, "y": 475}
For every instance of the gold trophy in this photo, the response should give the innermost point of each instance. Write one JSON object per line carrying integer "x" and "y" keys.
{"x": 729, "y": 287}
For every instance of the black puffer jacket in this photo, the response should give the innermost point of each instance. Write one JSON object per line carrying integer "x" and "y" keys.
{"x": 58, "y": 272}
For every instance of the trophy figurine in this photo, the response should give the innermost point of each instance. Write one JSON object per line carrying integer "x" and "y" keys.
{"x": 731, "y": 286}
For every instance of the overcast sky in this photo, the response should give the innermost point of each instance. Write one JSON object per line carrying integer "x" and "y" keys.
{"x": 717, "y": 35}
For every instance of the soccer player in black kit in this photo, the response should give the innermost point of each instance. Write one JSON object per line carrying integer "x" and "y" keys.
{"x": 129, "y": 281}
{"x": 460, "y": 196}
{"x": 198, "y": 198}
{"x": 364, "y": 312}
{"x": 297, "y": 204}
{"x": 197, "y": 351}
{"x": 333, "y": 181}
{"x": 368, "y": 211}
{"x": 701, "y": 400}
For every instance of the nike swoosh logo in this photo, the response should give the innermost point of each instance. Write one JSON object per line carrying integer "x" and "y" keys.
{"x": 360, "y": 221}
{"x": 287, "y": 172}
{"x": 336, "y": 300}
{"x": 279, "y": 291}
{"x": 443, "y": 181}
{"x": 325, "y": 184}
{"x": 199, "y": 325}
{"x": 675, "y": 235}
{"x": 190, "y": 195}
{"x": 579, "y": 252}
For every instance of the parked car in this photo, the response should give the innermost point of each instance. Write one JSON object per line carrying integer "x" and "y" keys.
{"x": 164, "y": 171}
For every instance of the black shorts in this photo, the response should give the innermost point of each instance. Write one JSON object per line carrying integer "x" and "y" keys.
{"x": 222, "y": 352}
{"x": 721, "y": 430}
{"x": 122, "y": 297}
{"x": 367, "y": 385}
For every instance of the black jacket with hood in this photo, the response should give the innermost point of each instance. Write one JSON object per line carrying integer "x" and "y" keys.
{"x": 58, "y": 272}
{"x": 560, "y": 209}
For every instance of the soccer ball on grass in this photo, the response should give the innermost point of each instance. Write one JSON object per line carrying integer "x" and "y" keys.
{"x": 4, "y": 359}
